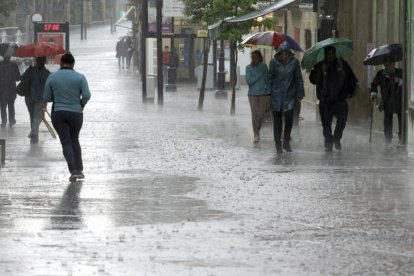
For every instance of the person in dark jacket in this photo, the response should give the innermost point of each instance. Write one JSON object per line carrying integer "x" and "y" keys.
{"x": 9, "y": 75}
{"x": 129, "y": 52}
{"x": 121, "y": 52}
{"x": 69, "y": 92}
{"x": 335, "y": 81}
{"x": 34, "y": 99}
{"x": 285, "y": 84}
{"x": 390, "y": 82}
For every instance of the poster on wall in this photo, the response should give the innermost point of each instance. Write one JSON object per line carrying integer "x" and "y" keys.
{"x": 167, "y": 13}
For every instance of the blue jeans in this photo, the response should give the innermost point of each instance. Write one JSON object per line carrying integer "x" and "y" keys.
{"x": 68, "y": 125}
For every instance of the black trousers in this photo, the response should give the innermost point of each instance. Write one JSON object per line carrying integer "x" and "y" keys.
{"x": 277, "y": 125}
{"x": 329, "y": 110}
{"x": 3, "y": 107}
{"x": 68, "y": 125}
{"x": 388, "y": 122}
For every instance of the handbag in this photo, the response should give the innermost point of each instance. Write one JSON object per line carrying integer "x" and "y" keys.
{"x": 23, "y": 88}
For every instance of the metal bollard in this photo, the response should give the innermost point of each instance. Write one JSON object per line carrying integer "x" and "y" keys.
{"x": 2, "y": 150}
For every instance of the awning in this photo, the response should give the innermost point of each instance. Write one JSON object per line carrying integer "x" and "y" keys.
{"x": 274, "y": 7}
{"x": 124, "y": 16}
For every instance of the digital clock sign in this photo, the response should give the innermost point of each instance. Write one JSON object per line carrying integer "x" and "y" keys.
{"x": 52, "y": 32}
{"x": 51, "y": 27}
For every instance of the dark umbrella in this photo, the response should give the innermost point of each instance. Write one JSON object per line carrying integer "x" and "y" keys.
{"x": 7, "y": 49}
{"x": 389, "y": 52}
{"x": 316, "y": 53}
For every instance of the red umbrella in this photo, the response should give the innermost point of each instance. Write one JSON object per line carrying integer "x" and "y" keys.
{"x": 271, "y": 39}
{"x": 39, "y": 49}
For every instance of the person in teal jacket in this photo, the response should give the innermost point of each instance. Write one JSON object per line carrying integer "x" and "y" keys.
{"x": 256, "y": 74}
{"x": 69, "y": 92}
{"x": 285, "y": 84}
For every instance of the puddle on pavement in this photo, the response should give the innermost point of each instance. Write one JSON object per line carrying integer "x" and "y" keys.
{"x": 120, "y": 201}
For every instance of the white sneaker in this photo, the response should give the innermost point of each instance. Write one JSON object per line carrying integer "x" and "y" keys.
{"x": 256, "y": 138}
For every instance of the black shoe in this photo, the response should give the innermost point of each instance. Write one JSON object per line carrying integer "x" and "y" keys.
{"x": 3, "y": 125}
{"x": 278, "y": 147}
{"x": 286, "y": 147}
{"x": 12, "y": 123}
{"x": 76, "y": 175}
{"x": 34, "y": 139}
{"x": 80, "y": 175}
{"x": 328, "y": 147}
{"x": 73, "y": 177}
{"x": 338, "y": 145}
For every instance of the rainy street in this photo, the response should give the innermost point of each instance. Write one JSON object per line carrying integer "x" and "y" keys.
{"x": 173, "y": 191}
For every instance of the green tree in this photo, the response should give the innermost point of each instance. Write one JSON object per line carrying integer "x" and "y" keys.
{"x": 6, "y": 7}
{"x": 212, "y": 11}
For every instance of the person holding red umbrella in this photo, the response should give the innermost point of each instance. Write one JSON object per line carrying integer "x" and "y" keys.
{"x": 36, "y": 76}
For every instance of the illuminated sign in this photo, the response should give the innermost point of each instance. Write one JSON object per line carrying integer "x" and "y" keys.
{"x": 52, "y": 32}
{"x": 51, "y": 27}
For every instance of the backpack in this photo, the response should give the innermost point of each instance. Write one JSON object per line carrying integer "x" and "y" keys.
{"x": 23, "y": 88}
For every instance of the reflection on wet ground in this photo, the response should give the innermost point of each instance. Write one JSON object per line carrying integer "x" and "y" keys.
{"x": 114, "y": 202}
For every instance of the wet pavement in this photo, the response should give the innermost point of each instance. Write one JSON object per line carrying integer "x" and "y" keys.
{"x": 172, "y": 191}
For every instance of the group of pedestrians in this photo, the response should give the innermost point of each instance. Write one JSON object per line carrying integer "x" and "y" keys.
{"x": 67, "y": 89}
{"x": 124, "y": 52}
{"x": 335, "y": 82}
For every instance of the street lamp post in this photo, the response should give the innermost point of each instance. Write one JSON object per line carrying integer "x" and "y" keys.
{"x": 159, "y": 54}
{"x": 144, "y": 28}
{"x": 221, "y": 92}
{"x": 82, "y": 19}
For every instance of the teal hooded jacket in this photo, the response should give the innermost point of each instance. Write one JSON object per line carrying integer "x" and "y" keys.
{"x": 256, "y": 75}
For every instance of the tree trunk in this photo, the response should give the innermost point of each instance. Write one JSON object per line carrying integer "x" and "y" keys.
{"x": 204, "y": 78}
{"x": 233, "y": 64}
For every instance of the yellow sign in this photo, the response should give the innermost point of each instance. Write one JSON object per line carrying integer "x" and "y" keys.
{"x": 202, "y": 33}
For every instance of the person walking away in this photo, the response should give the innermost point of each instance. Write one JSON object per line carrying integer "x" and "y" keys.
{"x": 9, "y": 75}
{"x": 335, "y": 82}
{"x": 256, "y": 75}
{"x": 121, "y": 52}
{"x": 69, "y": 92}
{"x": 130, "y": 52}
{"x": 285, "y": 84}
{"x": 390, "y": 82}
{"x": 34, "y": 99}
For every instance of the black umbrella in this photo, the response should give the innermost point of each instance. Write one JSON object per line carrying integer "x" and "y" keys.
{"x": 389, "y": 52}
{"x": 7, "y": 49}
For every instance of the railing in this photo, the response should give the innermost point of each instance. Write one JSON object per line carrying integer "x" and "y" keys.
{"x": 12, "y": 34}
